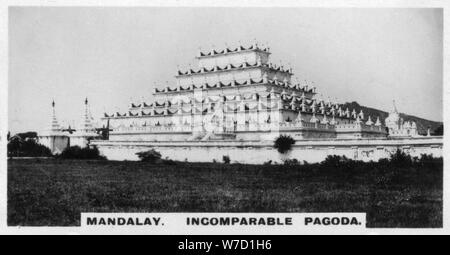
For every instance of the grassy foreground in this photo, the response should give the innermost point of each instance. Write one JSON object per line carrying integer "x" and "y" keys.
{"x": 54, "y": 192}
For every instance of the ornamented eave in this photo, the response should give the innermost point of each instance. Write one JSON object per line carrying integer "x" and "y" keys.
{"x": 306, "y": 107}
{"x": 227, "y": 51}
{"x": 231, "y": 67}
{"x": 234, "y": 84}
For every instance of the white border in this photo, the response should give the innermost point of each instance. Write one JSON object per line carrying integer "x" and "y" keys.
{"x": 4, "y": 229}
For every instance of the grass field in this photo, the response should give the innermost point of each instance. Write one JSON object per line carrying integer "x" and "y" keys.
{"x": 54, "y": 192}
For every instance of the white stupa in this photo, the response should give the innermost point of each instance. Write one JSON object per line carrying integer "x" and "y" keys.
{"x": 86, "y": 131}
{"x": 53, "y": 137}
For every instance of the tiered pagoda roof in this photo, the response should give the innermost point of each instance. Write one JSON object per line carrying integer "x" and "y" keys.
{"x": 221, "y": 84}
{"x": 294, "y": 96}
{"x": 227, "y": 50}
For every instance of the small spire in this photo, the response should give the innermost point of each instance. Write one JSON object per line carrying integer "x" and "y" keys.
{"x": 394, "y": 106}
{"x": 258, "y": 61}
{"x": 333, "y": 121}
{"x": 325, "y": 119}
{"x": 369, "y": 121}
{"x": 264, "y": 77}
{"x": 313, "y": 118}
{"x": 86, "y": 101}
{"x": 378, "y": 122}
{"x": 299, "y": 118}
{"x": 361, "y": 114}
{"x": 53, "y": 103}
{"x": 272, "y": 91}
{"x": 255, "y": 43}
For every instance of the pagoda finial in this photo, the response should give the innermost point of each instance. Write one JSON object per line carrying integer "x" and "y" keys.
{"x": 86, "y": 101}
{"x": 394, "y": 106}
{"x": 54, "y": 126}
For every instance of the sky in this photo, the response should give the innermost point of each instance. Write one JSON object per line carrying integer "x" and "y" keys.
{"x": 112, "y": 55}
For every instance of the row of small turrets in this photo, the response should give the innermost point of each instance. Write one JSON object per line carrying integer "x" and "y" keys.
{"x": 86, "y": 123}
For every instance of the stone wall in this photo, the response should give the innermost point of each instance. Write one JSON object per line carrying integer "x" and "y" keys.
{"x": 260, "y": 152}
{"x": 55, "y": 143}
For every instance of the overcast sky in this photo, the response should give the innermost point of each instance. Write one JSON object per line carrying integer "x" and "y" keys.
{"x": 110, "y": 55}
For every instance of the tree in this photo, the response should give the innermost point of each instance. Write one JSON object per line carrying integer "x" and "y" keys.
{"x": 76, "y": 152}
{"x": 283, "y": 143}
{"x": 27, "y": 135}
{"x": 18, "y": 147}
{"x": 149, "y": 156}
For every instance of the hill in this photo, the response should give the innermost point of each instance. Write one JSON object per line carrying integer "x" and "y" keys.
{"x": 422, "y": 124}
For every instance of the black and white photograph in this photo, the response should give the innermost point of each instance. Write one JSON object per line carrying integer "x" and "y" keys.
{"x": 249, "y": 113}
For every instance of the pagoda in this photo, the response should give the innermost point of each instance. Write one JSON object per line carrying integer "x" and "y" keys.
{"x": 238, "y": 94}
{"x": 54, "y": 138}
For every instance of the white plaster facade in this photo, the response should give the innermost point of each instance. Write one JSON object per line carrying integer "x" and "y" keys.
{"x": 236, "y": 103}
{"x": 257, "y": 152}
{"x": 57, "y": 139}
{"x": 53, "y": 138}
{"x": 237, "y": 94}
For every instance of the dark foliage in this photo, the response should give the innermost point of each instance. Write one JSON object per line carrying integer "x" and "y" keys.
{"x": 151, "y": 156}
{"x": 267, "y": 163}
{"x": 226, "y": 159}
{"x": 335, "y": 161}
{"x": 76, "y": 152}
{"x": 27, "y": 135}
{"x": 283, "y": 143}
{"x": 400, "y": 158}
{"x": 18, "y": 147}
{"x": 439, "y": 130}
{"x": 54, "y": 192}
{"x": 291, "y": 162}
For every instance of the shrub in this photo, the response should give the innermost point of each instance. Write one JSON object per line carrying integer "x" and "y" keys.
{"x": 429, "y": 161}
{"x": 291, "y": 162}
{"x": 283, "y": 143}
{"x": 76, "y": 152}
{"x": 335, "y": 161}
{"x": 169, "y": 162}
{"x": 400, "y": 158}
{"x": 151, "y": 156}
{"x": 439, "y": 130}
{"x": 268, "y": 163}
{"x": 226, "y": 159}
